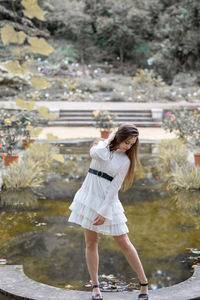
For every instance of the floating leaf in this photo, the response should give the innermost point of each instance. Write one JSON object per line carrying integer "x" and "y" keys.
{"x": 59, "y": 234}
{"x": 28, "y": 105}
{"x": 40, "y": 83}
{"x": 39, "y": 45}
{"x": 9, "y": 35}
{"x": 52, "y": 137}
{"x": 68, "y": 286}
{"x": 32, "y": 10}
{"x": 58, "y": 157}
{"x": 15, "y": 67}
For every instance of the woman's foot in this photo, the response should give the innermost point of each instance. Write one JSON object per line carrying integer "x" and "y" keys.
{"x": 143, "y": 291}
{"x": 96, "y": 294}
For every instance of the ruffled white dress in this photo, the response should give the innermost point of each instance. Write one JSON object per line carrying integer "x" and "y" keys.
{"x": 98, "y": 195}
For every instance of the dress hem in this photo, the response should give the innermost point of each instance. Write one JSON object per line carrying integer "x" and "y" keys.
{"x": 98, "y": 231}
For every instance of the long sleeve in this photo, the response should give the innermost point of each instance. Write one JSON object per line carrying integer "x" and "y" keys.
{"x": 106, "y": 209}
{"x": 101, "y": 150}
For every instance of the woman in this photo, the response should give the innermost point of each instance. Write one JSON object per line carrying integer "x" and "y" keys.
{"x": 96, "y": 206}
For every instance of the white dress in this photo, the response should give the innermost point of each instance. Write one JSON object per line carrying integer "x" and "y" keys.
{"x": 98, "y": 195}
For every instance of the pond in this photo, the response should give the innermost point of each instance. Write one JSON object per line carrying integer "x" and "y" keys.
{"x": 164, "y": 228}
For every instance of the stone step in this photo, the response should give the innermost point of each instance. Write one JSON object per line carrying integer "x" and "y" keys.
{"x": 90, "y": 118}
{"x": 84, "y": 117}
{"x": 91, "y": 123}
{"x": 85, "y": 112}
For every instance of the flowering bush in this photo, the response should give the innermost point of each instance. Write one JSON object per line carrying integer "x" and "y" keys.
{"x": 184, "y": 123}
{"x": 104, "y": 119}
{"x": 12, "y": 127}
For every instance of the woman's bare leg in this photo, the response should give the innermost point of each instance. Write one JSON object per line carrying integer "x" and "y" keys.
{"x": 132, "y": 257}
{"x": 92, "y": 256}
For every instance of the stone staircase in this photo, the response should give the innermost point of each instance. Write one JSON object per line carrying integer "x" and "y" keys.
{"x": 141, "y": 118}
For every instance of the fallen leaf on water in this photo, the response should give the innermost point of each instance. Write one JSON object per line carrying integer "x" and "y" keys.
{"x": 68, "y": 286}
{"x": 60, "y": 234}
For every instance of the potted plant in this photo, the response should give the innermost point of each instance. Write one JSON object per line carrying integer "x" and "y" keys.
{"x": 104, "y": 121}
{"x": 8, "y": 138}
{"x": 185, "y": 124}
{"x": 12, "y": 128}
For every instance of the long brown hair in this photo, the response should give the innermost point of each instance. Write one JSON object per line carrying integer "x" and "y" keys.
{"x": 125, "y": 132}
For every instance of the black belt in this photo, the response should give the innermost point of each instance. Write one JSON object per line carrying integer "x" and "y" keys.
{"x": 101, "y": 174}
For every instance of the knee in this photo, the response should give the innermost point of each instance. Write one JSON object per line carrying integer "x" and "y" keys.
{"x": 91, "y": 244}
{"x": 124, "y": 244}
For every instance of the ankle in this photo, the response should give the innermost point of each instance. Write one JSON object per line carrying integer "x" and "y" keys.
{"x": 144, "y": 283}
{"x": 95, "y": 284}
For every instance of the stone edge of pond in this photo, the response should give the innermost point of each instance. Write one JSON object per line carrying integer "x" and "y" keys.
{"x": 87, "y": 140}
{"x": 14, "y": 284}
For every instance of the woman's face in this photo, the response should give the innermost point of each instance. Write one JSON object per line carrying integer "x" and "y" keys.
{"x": 127, "y": 144}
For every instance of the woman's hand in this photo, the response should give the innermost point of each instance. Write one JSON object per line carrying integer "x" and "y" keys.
{"x": 99, "y": 220}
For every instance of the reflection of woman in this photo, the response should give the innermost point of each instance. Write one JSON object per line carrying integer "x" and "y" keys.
{"x": 96, "y": 206}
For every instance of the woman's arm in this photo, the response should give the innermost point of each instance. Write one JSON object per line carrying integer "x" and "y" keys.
{"x": 115, "y": 185}
{"x": 101, "y": 150}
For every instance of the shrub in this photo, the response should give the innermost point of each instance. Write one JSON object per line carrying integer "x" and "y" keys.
{"x": 42, "y": 154}
{"x": 21, "y": 175}
{"x": 185, "y": 176}
{"x": 171, "y": 152}
{"x": 172, "y": 163}
{"x": 14, "y": 127}
{"x": 30, "y": 172}
{"x": 104, "y": 119}
{"x": 184, "y": 123}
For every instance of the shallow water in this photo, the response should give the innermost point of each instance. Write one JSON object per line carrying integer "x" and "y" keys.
{"x": 164, "y": 228}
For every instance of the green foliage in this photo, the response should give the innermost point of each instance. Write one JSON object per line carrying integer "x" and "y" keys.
{"x": 173, "y": 165}
{"x": 13, "y": 127}
{"x": 42, "y": 154}
{"x": 185, "y": 177}
{"x": 177, "y": 29}
{"x": 31, "y": 171}
{"x": 104, "y": 119}
{"x": 170, "y": 153}
{"x": 184, "y": 123}
{"x": 25, "y": 174}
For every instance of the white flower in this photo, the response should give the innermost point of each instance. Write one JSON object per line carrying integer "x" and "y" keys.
{"x": 150, "y": 61}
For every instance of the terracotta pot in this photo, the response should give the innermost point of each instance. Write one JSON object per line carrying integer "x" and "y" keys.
{"x": 105, "y": 134}
{"x": 26, "y": 144}
{"x": 197, "y": 159}
{"x": 9, "y": 159}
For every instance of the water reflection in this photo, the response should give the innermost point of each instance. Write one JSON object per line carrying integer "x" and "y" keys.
{"x": 163, "y": 226}
{"x": 19, "y": 199}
